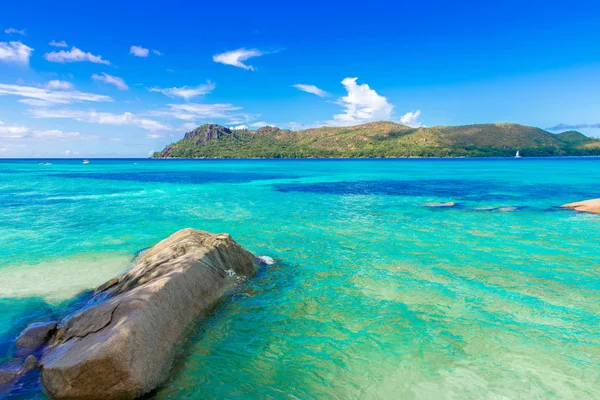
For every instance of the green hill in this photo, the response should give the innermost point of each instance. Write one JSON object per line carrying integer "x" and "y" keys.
{"x": 379, "y": 139}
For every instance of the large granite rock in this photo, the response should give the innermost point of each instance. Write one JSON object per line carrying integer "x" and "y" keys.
{"x": 123, "y": 346}
{"x": 592, "y": 206}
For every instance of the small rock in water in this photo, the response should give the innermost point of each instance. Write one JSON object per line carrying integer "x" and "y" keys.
{"x": 36, "y": 334}
{"x": 591, "y": 206}
{"x": 30, "y": 364}
{"x": 498, "y": 209}
{"x": 266, "y": 260}
{"x": 7, "y": 375}
{"x": 447, "y": 204}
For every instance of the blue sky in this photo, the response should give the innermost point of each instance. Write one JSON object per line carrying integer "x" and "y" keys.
{"x": 72, "y": 84}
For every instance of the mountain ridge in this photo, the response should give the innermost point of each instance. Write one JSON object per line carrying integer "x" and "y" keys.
{"x": 379, "y": 139}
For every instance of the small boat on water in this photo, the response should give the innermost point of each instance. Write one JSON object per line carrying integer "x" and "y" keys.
{"x": 86, "y": 161}
{"x": 47, "y": 163}
{"x": 518, "y": 155}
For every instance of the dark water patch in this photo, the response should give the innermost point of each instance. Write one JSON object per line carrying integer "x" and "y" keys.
{"x": 466, "y": 190}
{"x": 185, "y": 177}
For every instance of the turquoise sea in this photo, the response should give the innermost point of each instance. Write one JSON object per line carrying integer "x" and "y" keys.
{"x": 373, "y": 295}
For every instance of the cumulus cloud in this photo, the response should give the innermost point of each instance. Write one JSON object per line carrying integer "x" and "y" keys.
{"x": 74, "y": 55}
{"x": 138, "y": 51}
{"x": 10, "y": 31}
{"x": 44, "y": 96}
{"x": 59, "y": 85}
{"x": 18, "y": 132}
{"x": 119, "y": 83}
{"x": 567, "y": 127}
{"x": 311, "y": 89}
{"x": 15, "y": 52}
{"x": 239, "y": 127}
{"x": 186, "y": 92}
{"x": 361, "y": 105}
{"x": 104, "y": 118}
{"x": 411, "y": 119}
{"x": 235, "y": 57}
{"x": 62, "y": 43}
{"x": 194, "y": 111}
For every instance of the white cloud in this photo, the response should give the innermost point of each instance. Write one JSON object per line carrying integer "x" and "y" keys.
{"x": 189, "y": 126}
{"x": 239, "y": 127}
{"x": 311, "y": 89}
{"x": 411, "y": 119}
{"x": 186, "y": 92}
{"x": 194, "y": 111}
{"x": 74, "y": 55}
{"x": 18, "y": 132}
{"x": 362, "y": 104}
{"x": 59, "y": 85}
{"x": 15, "y": 52}
{"x": 119, "y": 83}
{"x": 138, "y": 51}
{"x": 12, "y": 131}
{"x": 62, "y": 43}
{"x": 158, "y": 53}
{"x": 13, "y": 30}
{"x": 235, "y": 57}
{"x": 104, "y": 118}
{"x": 153, "y": 136}
{"x": 43, "y": 96}
{"x": 259, "y": 124}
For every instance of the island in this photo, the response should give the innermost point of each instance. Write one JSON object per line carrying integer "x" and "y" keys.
{"x": 380, "y": 139}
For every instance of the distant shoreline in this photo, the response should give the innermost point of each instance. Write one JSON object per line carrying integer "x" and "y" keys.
{"x": 296, "y": 159}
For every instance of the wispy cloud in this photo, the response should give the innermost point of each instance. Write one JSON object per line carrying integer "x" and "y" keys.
{"x": 235, "y": 57}
{"x": 567, "y": 127}
{"x": 361, "y": 105}
{"x": 158, "y": 53}
{"x": 44, "y": 96}
{"x": 119, "y": 83}
{"x": 139, "y": 51}
{"x": 15, "y": 52}
{"x": 10, "y": 31}
{"x": 197, "y": 111}
{"x": 311, "y": 89}
{"x": 74, "y": 55}
{"x": 186, "y": 92}
{"x": 19, "y": 132}
{"x": 59, "y": 85}
{"x": 105, "y": 118}
{"x": 62, "y": 43}
{"x": 411, "y": 119}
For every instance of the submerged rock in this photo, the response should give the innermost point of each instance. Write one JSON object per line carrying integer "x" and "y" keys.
{"x": 591, "y": 206}
{"x": 36, "y": 334}
{"x": 441, "y": 205}
{"x": 11, "y": 372}
{"x": 124, "y": 346}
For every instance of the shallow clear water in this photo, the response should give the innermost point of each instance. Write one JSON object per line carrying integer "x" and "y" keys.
{"x": 373, "y": 295}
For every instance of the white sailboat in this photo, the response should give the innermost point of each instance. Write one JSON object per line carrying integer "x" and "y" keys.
{"x": 86, "y": 161}
{"x": 518, "y": 155}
